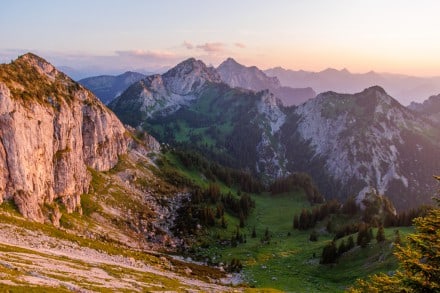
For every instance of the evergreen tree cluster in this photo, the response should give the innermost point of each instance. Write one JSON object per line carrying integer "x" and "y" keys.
{"x": 331, "y": 252}
{"x": 365, "y": 235}
{"x": 308, "y": 218}
{"x": 206, "y": 208}
{"x": 244, "y": 180}
{"x": 405, "y": 218}
{"x": 297, "y": 181}
{"x": 234, "y": 266}
{"x": 346, "y": 230}
{"x": 238, "y": 238}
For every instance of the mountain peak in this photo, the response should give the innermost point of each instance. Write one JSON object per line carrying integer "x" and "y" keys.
{"x": 31, "y": 57}
{"x": 375, "y": 88}
{"x": 230, "y": 62}
{"x": 40, "y": 64}
{"x": 189, "y": 76}
{"x": 192, "y": 66}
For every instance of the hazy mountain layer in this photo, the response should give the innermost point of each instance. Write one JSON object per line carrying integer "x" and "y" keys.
{"x": 402, "y": 87}
{"x": 108, "y": 87}
{"x": 252, "y": 78}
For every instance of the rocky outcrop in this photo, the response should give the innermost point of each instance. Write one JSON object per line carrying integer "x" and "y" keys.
{"x": 51, "y": 131}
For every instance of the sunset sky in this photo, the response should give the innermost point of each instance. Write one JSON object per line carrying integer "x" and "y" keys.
{"x": 112, "y": 36}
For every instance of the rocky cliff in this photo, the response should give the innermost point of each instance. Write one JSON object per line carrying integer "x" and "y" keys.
{"x": 51, "y": 131}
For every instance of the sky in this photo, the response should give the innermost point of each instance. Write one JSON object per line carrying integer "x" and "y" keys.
{"x": 109, "y": 36}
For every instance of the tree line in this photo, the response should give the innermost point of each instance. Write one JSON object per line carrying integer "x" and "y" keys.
{"x": 206, "y": 208}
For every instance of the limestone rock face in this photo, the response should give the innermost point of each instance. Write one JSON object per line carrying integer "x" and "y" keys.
{"x": 51, "y": 130}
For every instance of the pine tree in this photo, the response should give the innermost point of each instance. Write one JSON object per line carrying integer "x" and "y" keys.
{"x": 329, "y": 253}
{"x": 397, "y": 239}
{"x": 350, "y": 243}
{"x": 241, "y": 217}
{"x": 342, "y": 247}
{"x": 254, "y": 233}
{"x": 223, "y": 222}
{"x": 380, "y": 237}
{"x": 313, "y": 236}
{"x": 295, "y": 222}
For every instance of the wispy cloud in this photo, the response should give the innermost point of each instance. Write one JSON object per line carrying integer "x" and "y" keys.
{"x": 165, "y": 55}
{"x": 212, "y": 47}
{"x": 188, "y": 45}
{"x": 240, "y": 45}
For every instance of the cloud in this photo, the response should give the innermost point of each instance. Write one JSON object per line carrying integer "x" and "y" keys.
{"x": 188, "y": 45}
{"x": 240, "y": 45}
{"x": 211, "y": 47}
{"x": 157, "y": 55}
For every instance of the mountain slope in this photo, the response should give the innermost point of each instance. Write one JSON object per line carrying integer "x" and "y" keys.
{"x": 348, "y": 143}
{"x": 165, "y": 93}
{"x": 108, "y": 87}
{"x": 51, "y": 129}
{"x": 404, "y": 88}
{"x": 430, "y": 108}
{"x": 367, "y": 140}
{"x": 189, "y": 105}
{"x": 237, "y": 75}
{"x": 99, "y": 201}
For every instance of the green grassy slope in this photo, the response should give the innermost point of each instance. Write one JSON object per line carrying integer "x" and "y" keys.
{"x": 289, "y": 262}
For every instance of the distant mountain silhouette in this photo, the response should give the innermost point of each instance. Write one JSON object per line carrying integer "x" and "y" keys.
{"x": 403, "y": 87}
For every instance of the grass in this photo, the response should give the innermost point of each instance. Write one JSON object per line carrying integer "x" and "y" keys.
{"x": 290, "y": 262}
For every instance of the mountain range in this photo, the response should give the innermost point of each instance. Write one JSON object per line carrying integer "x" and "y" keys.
{"x": 108, "y": 87}
{"x": 349, "y": 143}
{"x": 252, "y": 78}
{"x": 90, "y": 204}
{"x": 404, "y": 88}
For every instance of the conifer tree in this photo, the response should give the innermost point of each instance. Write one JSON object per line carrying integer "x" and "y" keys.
{"x": 350, "y": 243}
{"x": 329, "y": 253}
{"x": 295, "y": 222}
{"x": 313, "y": 236}
{"x": 380, "y": 237}
{"x": 397, "y": 239}
{"x": 254, "y": 233}
{"x": 342, "y": 247}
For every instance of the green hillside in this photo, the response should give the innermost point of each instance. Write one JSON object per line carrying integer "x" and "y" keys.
{"x": 286, "y": 260}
